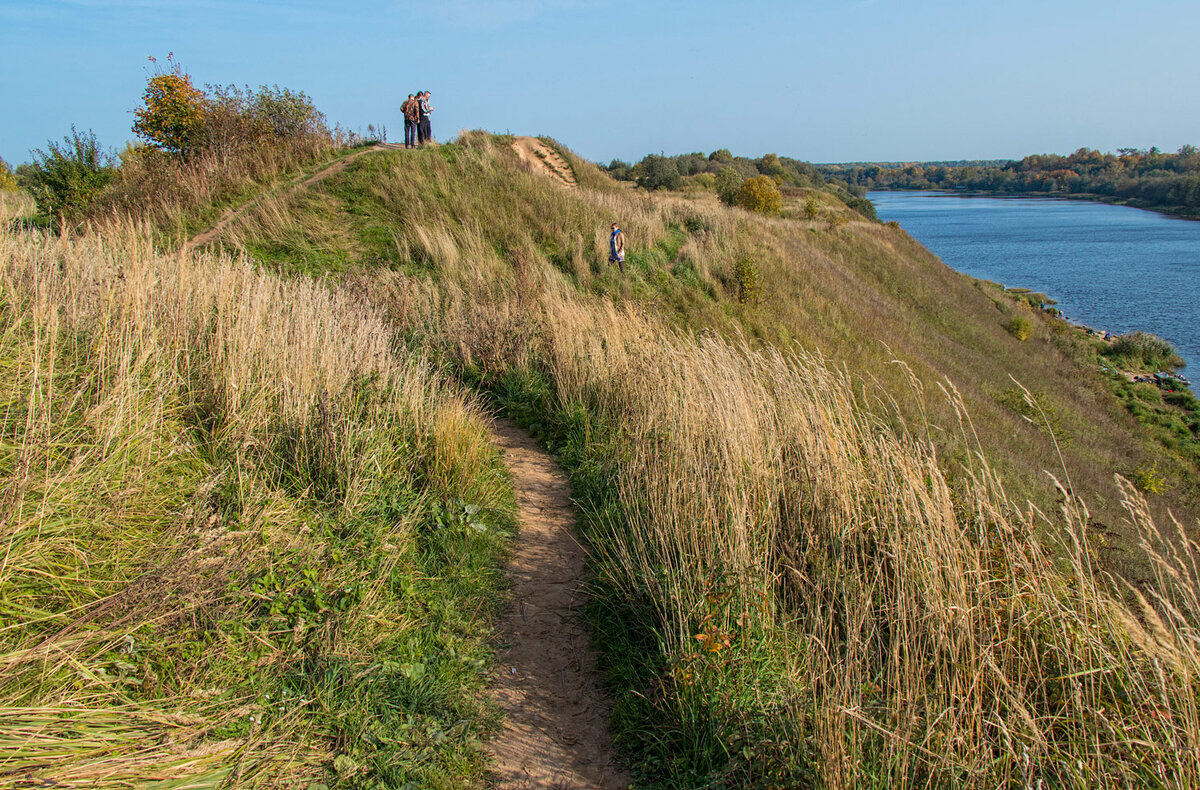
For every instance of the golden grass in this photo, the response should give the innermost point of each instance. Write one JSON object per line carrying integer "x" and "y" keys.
{"x": 828, "y": 588}
{"x": 179, "y": 197}
{"x": 844, "y": 592}
{"x": 177, "y": 432}
{"x": 15, "y": 204}
{"x": 917, "y": 628}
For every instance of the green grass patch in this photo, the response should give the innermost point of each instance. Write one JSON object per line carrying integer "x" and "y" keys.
{"x": 207, "y": 583}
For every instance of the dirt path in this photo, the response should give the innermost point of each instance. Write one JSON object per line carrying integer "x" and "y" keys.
{"x": 555, "y": 733}
{"x": 230, "y": 215}
{"x": 556, "y": 717}
{"x": 543, "y": 159}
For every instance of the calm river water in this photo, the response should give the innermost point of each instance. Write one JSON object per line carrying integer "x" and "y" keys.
{"x": 1110, "y": 267}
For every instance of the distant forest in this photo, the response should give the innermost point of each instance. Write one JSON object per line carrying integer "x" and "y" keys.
{"x": 1148, "y": 179}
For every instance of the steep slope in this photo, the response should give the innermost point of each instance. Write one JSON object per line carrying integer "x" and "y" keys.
{"x": 865, "y": 295}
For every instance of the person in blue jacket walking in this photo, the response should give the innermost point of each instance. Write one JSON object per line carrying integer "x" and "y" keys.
{"x": 616, "y": 247}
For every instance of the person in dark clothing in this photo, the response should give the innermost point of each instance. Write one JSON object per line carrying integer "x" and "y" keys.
{"x": 425, "y": 130}
{"x": 412, "y": 118}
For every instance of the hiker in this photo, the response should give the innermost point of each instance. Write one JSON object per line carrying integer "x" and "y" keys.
{"x": 424, "y": 109}
{"x": 616, "y": 247}
{"x": 412, "y": 117}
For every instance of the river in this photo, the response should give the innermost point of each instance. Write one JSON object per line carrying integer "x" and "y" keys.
{"x": 1114, "y": 268}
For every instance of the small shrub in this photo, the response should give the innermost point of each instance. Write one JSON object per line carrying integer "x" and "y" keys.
{"x": 837, "y": 220}
{"x": 745, "y": 274}
{"x": 1149, "y": 479}
{"x": 241, "y": 117}
{"x": 812, "y": 207}
{"x": 727, "y": 183}
{"x": 287, "y": 114}
{"x": 760, "y": 194}
{"x": 8, "y": 180}
{"x": 1142, "y": 350}
{"x": 66, "y": 179}
{"x": 1020, "y": 327}
{"x": 893, "y": 224}
{"x": 1033, "y": 299}
{"x": 863, "y": 206}
{"x": 705, "y": 181}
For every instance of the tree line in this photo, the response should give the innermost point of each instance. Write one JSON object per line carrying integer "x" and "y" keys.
{"x": 1145, "y": 178}
{"x": 737, "y": 180}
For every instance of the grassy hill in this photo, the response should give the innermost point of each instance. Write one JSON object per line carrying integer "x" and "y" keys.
{"x": 864, "y": 295}
{"x": 811, "y": 461}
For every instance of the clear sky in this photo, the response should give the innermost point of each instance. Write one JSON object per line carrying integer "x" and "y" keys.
{"x": 824, "y": 81}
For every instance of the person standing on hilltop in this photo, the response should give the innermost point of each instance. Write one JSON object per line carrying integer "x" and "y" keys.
{"x": 616, "y": 247}
{"x": 425, "y": 131}
{"x": 412, "y": 117}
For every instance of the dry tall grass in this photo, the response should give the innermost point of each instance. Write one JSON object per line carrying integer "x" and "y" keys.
{"x": 181, "y": 440}
{"x": 835, "y": 604}
{"x": 864, "y": 294}
{"x": 15, "y": 204}
{"x": 179, "y": 196}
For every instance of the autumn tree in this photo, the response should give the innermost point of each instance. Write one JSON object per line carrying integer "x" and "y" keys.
{"x": 760, "y": 194}
{"x": 173, "y": 111}
{"x": 770, "y": 165}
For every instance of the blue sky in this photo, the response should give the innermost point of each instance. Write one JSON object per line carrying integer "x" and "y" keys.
{"x": 821, "y": 81}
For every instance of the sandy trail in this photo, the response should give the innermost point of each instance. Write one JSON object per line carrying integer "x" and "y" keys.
{"x": 556, "y": 716}
{"x": 543, "y": 159}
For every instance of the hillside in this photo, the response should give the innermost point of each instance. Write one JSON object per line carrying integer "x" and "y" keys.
{"x": 809, "y": 459}
{"x": 864, "y": 295}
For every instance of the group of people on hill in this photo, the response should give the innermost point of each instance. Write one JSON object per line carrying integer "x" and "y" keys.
{"x": 417, "y": 129}
{"x": 417, "y": 132}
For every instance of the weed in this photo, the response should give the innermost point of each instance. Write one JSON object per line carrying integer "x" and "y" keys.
{"x": 746, "y": 277}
